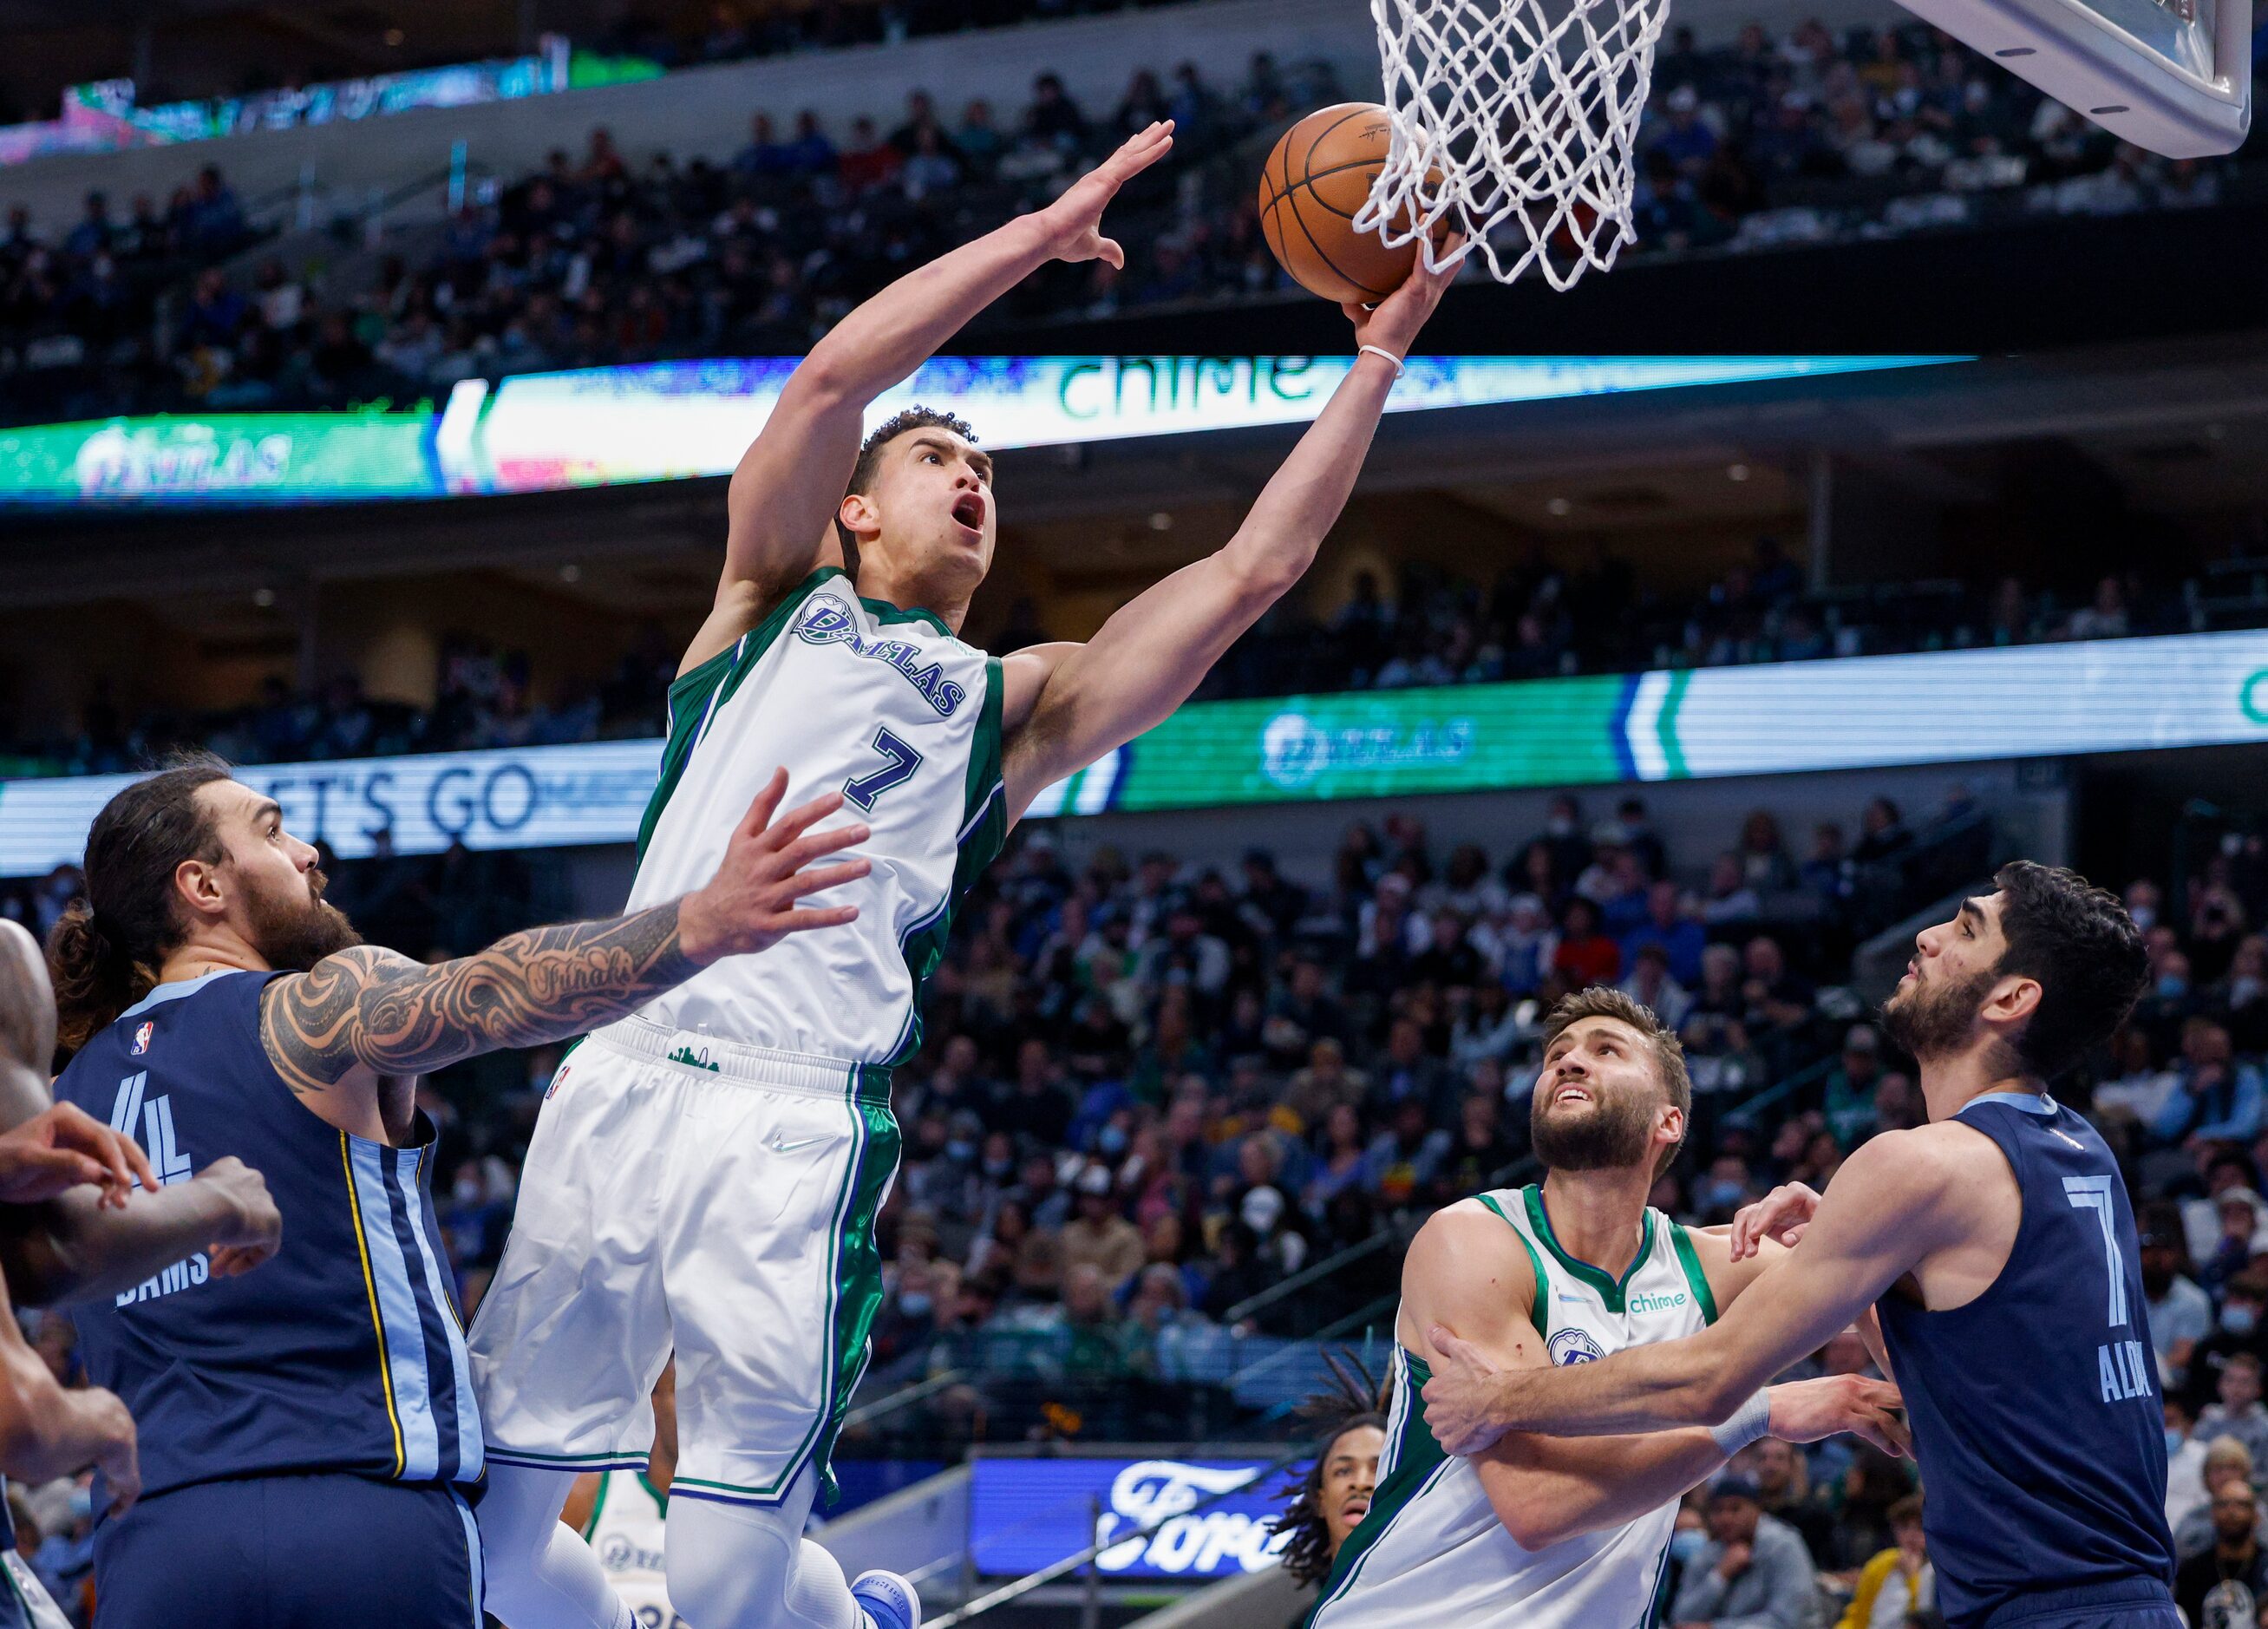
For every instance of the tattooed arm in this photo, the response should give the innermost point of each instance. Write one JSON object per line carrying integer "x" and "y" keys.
{"x": 374, "y": 1010}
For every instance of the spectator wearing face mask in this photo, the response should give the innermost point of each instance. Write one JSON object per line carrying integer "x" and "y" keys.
{"x": 1753, "y": 1573}
{"x": 2240, "y": 1331}
{"x": 2238, "y": 1413}
{"x": 2222, "y": 1586}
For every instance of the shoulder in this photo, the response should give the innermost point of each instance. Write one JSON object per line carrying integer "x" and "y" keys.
{"x": 1924, "y": 1162}
{"x": 1024, "y": 674}
{"x": 1467, "y": 1246}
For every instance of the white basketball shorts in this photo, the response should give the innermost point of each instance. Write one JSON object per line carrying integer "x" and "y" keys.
{"x": 686, "y": 1194}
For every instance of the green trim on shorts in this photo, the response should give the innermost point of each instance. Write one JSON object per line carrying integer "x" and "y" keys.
{"x": 1417, "y": 1460}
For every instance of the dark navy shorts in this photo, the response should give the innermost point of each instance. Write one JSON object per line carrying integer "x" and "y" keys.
{"x": 292, "y": 1553}
{"x": 2135, "y": 1604}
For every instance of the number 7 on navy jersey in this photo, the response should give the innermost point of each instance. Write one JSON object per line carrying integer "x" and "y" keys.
{"x": 904, "y": 761}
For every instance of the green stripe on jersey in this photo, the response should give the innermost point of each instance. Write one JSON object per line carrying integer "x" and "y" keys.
{"x": 1416, "y": 1460}
{"x": 1695, "y": 1279}
{"x": 1610, "y": 1289}
{"x": 695, "y": 695}
{"x": 1539, "y": 1308}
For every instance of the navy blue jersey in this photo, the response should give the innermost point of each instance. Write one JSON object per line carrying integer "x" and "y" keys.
{"x": 2034, "y": 1408}
{"x": 340, "y": 1354}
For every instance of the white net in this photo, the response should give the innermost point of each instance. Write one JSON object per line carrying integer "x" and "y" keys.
{"x": 1514, "y": 123}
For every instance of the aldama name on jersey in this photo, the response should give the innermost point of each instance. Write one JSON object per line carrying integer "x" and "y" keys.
{"x": 827, "y": 620}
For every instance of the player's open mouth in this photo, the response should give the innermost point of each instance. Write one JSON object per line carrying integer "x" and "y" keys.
{"x": 1576, "y": 1094}
{"x": 1355, "y": 1509}
{"x": 969, "y": 511}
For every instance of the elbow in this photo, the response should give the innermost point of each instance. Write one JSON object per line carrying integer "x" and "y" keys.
{"x": 1534, "y": 1528}
{"x": 1260, "y": 577}
{"x": 1711, "y": 1400}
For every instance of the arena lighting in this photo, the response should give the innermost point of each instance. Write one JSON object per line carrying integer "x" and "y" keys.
{"x": 1858, "y": 712}
{"x": 664, "y": 421}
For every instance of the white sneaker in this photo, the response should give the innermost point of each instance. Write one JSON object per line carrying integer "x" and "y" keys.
{"x": 889, "y": 1601}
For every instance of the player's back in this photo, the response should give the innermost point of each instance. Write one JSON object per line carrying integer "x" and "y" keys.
{"x": 886, "y": 706}
{"x": 2035, "y": 1407}
{"x": 339, "y": 1354}
{"x": 1432, "y": 1550}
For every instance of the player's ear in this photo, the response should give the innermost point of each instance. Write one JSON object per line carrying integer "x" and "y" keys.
{"x": 197, "y": 885}
{"x": 858, "y": 516}
{"x": 2013, "y": 999}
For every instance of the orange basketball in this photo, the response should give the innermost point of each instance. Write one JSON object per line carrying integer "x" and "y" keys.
{"x": 1319, "y": 176}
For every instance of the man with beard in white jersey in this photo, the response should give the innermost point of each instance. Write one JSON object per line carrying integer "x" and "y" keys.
{"x": 706, "y": 1175}
{"x": 1546, "y": 1532}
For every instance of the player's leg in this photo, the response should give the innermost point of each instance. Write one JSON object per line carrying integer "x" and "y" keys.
{"x": 542, "y": 1573}
{"x": 773, "y": 1280}
{"x": 749, "y": 1566}
{"x": 573, "y": 1330}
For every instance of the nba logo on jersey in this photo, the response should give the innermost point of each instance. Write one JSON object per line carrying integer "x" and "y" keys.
{"x": 142, "y": 1038}
{"x": 1574, "y": 1347}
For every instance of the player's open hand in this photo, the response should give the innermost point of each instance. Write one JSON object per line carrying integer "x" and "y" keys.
{"x": 1074, "y": 221}
{"x": 1781, "y": 1216}
{"x": 66, "y": 1147}
{"x": 1458, "y": 1396}
{"x": 751, "y": 904}
{"x": 1392, "y": 324}
{"x": 1805, "y": 1410}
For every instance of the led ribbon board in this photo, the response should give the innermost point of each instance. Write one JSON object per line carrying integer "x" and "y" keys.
{"x": 1948, "y": 707}
{"x": 665, "y": 421}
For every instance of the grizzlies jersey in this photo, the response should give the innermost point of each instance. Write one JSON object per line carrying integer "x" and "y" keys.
{"x": 343, "y": 1352}
{"x": 2036, "y": 1413}
{"x": 626, "y": 1531}
{"x": 885, "y": 706}
{"x": 1432, "y": 1549}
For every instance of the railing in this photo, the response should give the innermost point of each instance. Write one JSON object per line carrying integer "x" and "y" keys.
{"x": 904, "y": 1398}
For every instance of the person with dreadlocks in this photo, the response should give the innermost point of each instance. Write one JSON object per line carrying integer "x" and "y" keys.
{"x": 1333, "y": 1496}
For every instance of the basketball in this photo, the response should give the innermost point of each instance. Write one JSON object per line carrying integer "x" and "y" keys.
{"x": 1310, "y": 188}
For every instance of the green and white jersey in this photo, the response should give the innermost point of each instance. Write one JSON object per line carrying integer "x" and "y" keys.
{"x": 627, "y": 1532}
{"x": 1432, "y": 1550}
{"x": 885, "y": 706}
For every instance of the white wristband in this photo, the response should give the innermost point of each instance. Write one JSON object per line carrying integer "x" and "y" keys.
{"x": 1750, "y": 1421}
{"x": 1380, "y": 351}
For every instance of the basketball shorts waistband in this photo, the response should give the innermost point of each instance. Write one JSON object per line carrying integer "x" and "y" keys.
{"x": 2136, "y": 1592}
{"x": 702, "y": 1054}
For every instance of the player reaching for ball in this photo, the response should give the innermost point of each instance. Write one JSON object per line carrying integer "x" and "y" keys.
{"x": 706, "y": 1175}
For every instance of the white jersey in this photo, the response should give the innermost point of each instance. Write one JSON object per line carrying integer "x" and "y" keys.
{"x": 626, "y": 1532}
{"x": 1432, "y": 1550}
{"x": 890, "y": 708}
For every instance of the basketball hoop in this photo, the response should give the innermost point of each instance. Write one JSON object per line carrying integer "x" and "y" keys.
{"x": 1515, "y": 123}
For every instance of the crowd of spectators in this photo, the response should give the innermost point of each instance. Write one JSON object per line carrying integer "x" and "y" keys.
{"x": 1534, "y": 620}
{"x": 1151, "y": 1092}
{"x": 619, "y": 257}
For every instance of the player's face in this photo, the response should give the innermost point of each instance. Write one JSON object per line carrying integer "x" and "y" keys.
{"x": 933, "y": 504}
{"x": 1350, "y": 1474}
{"x": 1599, "y": 1104}
{"x": 1935, "y": 1009}
{"x": 273, "y": 891}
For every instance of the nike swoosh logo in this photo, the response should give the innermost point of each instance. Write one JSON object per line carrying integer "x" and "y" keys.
{"x": 778, "y": 1147}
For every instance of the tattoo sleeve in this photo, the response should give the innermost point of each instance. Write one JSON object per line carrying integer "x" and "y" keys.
{"x": 381, "y": 1009}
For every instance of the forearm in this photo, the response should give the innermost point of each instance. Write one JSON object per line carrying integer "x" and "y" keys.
{"x": 1642, "y": 1388}
{"x": 72, "y": 1249}
{"x": 891, "y": 334}
{"x": 528, "y": 989}
{"x": 1277, "y": 542}
{"x": 1545, "y": 1490}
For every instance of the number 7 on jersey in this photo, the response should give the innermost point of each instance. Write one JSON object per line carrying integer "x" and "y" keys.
{"x": 863, "y": 790}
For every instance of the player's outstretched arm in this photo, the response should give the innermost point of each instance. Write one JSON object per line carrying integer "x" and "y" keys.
{"x": 1068, "y": 704}
{"x": 379, "y": 1010}
{"x": 781, "y": 506}
{"x": 47, "y": 1431}
{"x": 81, "y": 1213}
{"x": 1877, "y": 1220}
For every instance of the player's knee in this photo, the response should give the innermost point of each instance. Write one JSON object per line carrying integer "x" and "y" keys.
{"x": 730, "y": 1574}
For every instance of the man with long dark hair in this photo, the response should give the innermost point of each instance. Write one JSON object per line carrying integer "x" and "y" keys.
{"x": 1536, "y": 1533}
{"x": 1997, "y": 1245}
{"x": 307, "y": 1429}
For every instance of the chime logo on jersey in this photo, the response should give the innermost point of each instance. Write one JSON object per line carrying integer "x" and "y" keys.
{"x": 826, "y": 619}
{"x": 1575, "y": 1346}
